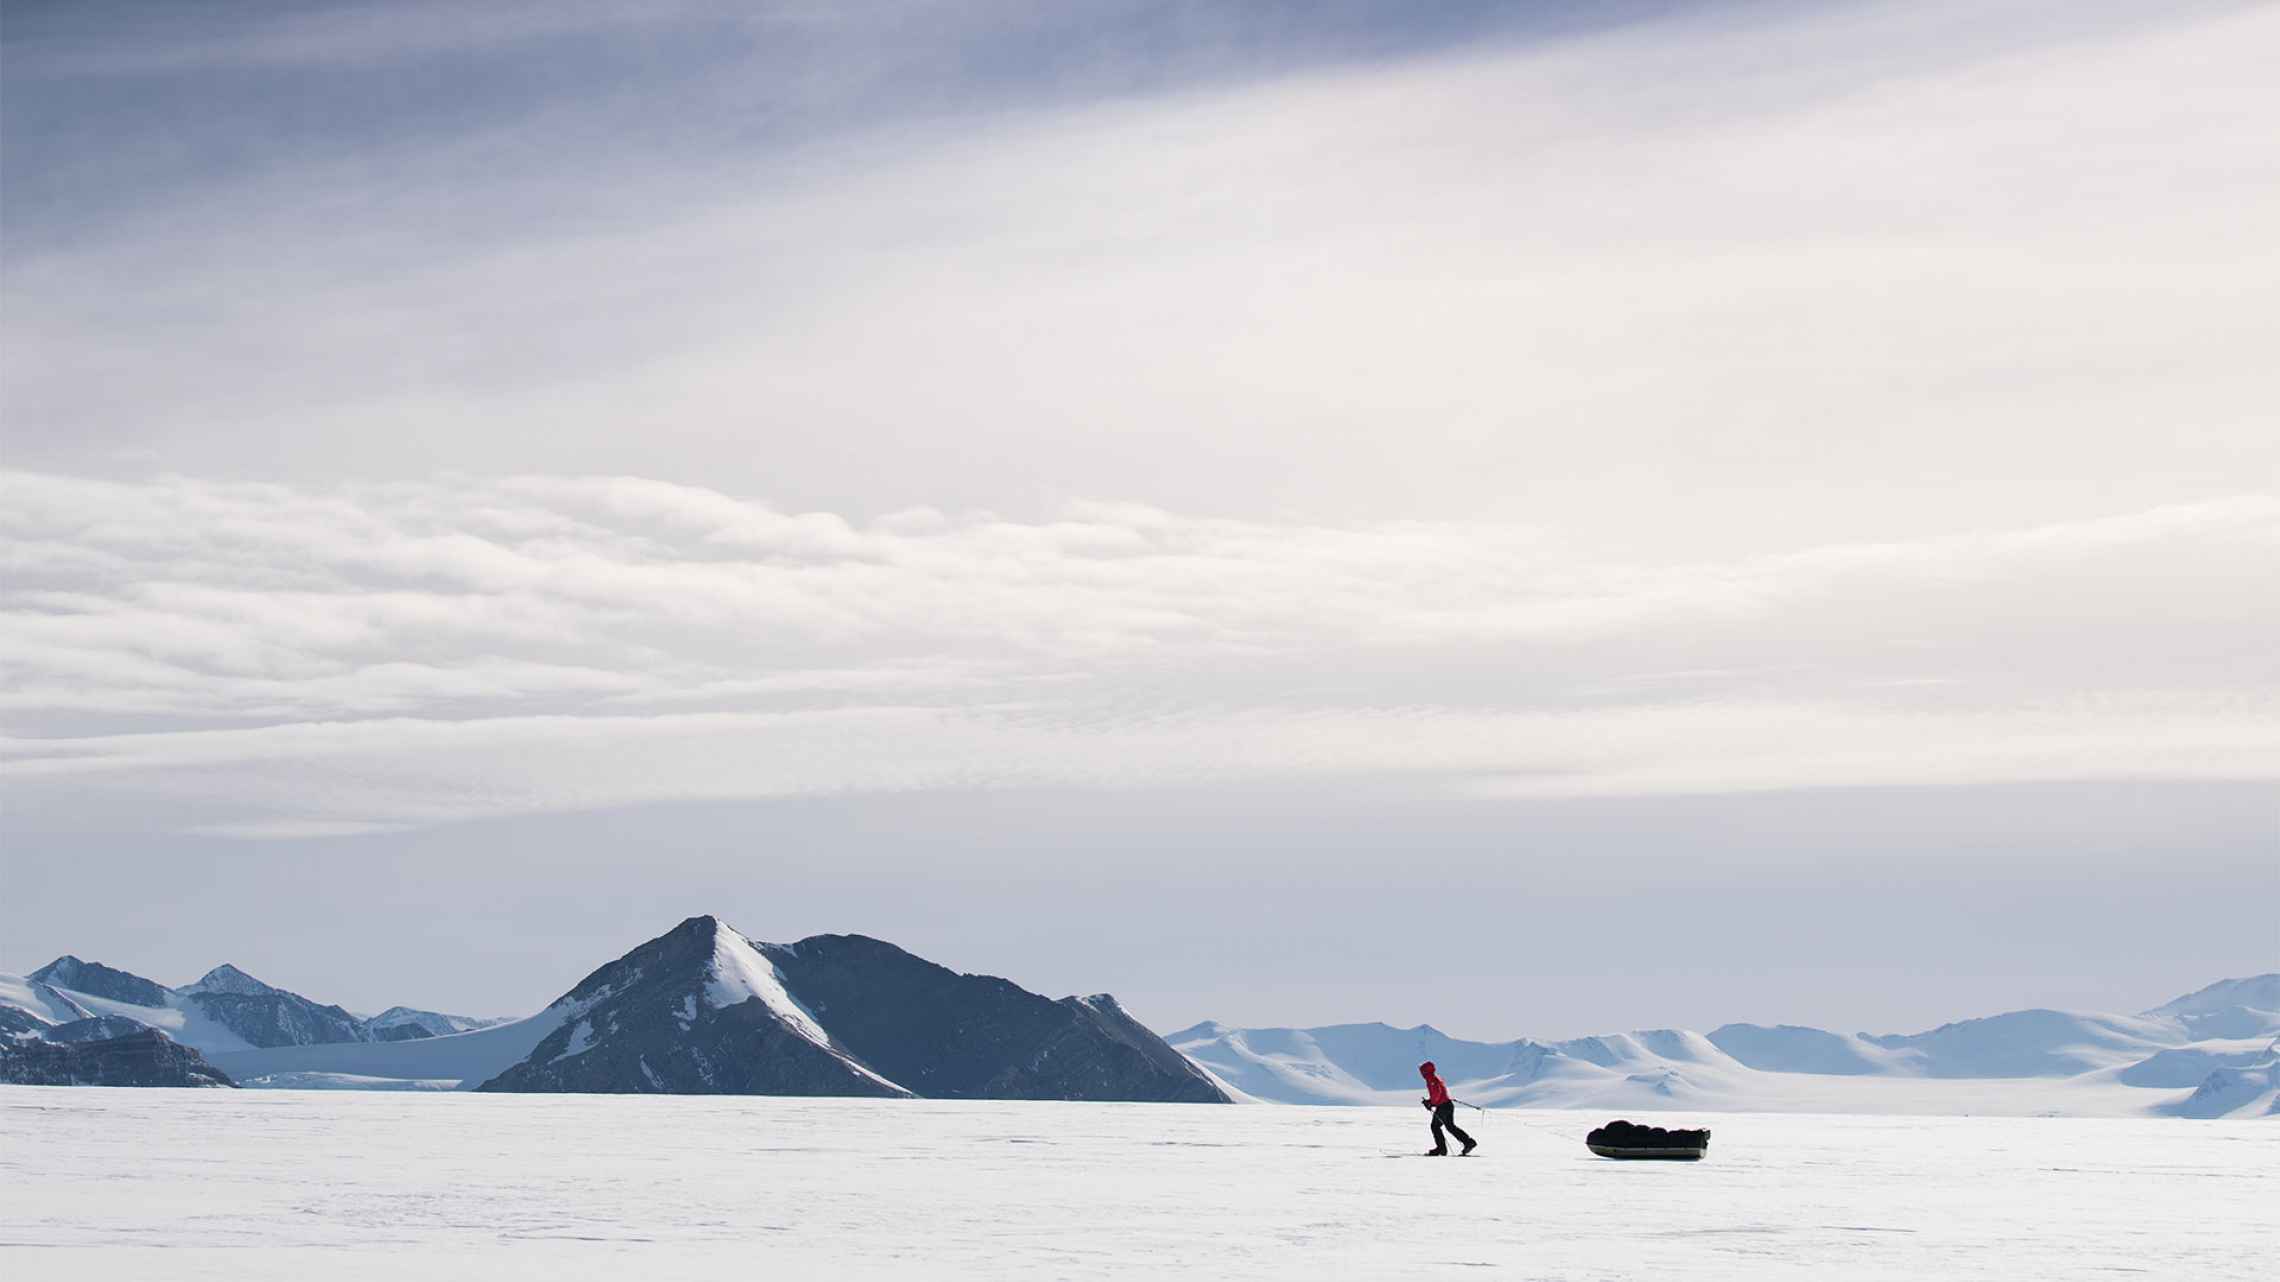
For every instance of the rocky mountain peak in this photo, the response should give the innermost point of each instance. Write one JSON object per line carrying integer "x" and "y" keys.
{"x": 97, "y": 980}
{"x": 227, "y": 978}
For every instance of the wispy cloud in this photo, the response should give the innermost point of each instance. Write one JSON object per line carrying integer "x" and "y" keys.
{"x": 403, "y": 653}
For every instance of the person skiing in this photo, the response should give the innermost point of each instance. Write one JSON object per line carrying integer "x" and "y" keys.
{"x": 1444, "y": 1111}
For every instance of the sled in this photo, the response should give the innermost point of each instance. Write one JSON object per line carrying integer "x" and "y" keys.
{"x": 1648, "y": 1154}
{"x": 1627, "y": 1142}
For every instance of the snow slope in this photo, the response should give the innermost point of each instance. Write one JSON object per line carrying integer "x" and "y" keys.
{"x": 1787, "y": 1048}
{"x": 2032, "y": 1043}
{"x": 43, "y": 1002}
{"x": 464, "y": 1059}
{"x": 181, "y": 1018}
{"x": 2228, "y": 1008}
{"x": 248, "y": 1186}
{"x": 741, "y": 972}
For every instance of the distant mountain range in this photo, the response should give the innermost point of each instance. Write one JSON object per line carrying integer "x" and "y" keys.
{"x": 702, "y": 1009}
{"x": 699, "y": 1010}
{"x": 2212, "y": 1053}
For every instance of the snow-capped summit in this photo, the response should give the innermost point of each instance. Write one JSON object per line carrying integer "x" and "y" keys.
{"x": 697, "y": 1010}
{"x": 226, "y": 978}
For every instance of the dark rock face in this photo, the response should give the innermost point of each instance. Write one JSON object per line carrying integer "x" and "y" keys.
{"x": 649, "y": 1023}
{"x": 99, "y": 1029}
{"x": 397, "y": 1032}
{"x": 951, "y": 1036}
{"x": 98, "y": 980}
{"x": 20, "y": 1023}
{"x": 703, "y": 1010}
{"x": 266, "y": 1015}
{"x": 278, "y": 1018}
{"x": 145, "y": 1058}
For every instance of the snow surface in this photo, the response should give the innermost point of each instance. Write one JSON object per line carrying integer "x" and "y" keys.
{"x": 246, "y": 1185}
{"x": 346, "y": 1082}
{"x": 469, "y": 1059}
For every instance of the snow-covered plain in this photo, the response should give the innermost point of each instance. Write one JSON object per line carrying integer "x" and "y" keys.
{"x": 289, "y": 1184}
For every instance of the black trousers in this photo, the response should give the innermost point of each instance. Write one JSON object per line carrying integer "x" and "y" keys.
{"x": 1445, "y": 1119}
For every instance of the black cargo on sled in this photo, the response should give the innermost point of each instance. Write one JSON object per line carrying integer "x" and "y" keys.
{"x": 1648, "y": 1143}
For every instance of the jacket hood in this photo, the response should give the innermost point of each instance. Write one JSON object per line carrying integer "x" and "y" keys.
{"x": 1425, "y": 1069}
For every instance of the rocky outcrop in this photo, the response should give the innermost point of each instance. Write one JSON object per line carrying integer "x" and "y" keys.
{"x": 143, "y": 1058}
{"x": 98, "y": 1029}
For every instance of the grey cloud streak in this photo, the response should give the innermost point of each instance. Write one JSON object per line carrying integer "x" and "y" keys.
{"x": 304, "y": 659}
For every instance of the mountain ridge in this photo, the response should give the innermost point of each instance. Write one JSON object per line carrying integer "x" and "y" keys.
{"x": 701, "y": 1009}
{"x": 2093, "y": 1060}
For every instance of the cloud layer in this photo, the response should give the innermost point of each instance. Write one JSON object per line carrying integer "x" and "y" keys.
{"x": 291, "y": 659}
{"x": 1694, "y": 397}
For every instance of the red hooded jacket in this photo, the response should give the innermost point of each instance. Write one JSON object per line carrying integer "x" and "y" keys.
{"x": 1435, "y": 1093}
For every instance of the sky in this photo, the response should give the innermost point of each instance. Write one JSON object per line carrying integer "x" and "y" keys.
{"x": 1533, "y": 518}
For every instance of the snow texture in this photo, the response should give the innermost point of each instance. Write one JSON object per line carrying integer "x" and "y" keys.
{"x": 255, "y": 1185}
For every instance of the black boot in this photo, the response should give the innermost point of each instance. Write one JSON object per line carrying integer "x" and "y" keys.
{"x": 1470, "y": 1145}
